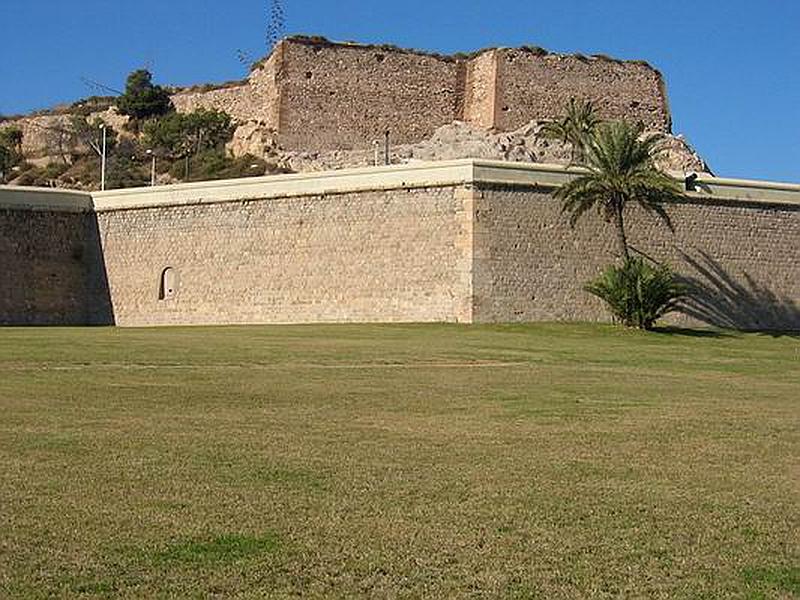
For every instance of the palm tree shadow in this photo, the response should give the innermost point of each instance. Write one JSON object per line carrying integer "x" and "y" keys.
{"x": 717, "y": 298}
{"x": 695, "y": 333}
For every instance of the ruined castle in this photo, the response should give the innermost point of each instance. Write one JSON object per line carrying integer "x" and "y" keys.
{"x": 313, "y": 95}
{"x": 466, "y": 240}
{"x": 317, "y": 95}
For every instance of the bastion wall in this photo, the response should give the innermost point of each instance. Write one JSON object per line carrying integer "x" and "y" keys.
{"x": 460, "y": 241}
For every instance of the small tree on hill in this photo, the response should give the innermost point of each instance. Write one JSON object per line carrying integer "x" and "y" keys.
{"x": 11, "y": 138}
{"x": 89, "y": 134}
{"x": 10, "y": 151}
{"x": 182, "y": 134}
{"x": 142, "y": 99}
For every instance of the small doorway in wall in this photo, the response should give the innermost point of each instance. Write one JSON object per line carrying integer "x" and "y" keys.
{"x": 168, "y": 285}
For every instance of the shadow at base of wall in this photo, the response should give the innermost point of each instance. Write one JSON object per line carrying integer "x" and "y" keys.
{"x": 98, "y": 309}
{"x": 695, "y": 333}
{"x": 720, "y": 299}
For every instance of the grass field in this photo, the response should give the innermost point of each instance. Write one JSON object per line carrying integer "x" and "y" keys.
{"x": 542, "y": 461}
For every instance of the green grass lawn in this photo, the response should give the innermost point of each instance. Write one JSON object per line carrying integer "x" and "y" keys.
{"x": 541, "y": 461}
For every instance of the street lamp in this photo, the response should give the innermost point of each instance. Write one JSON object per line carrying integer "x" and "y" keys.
{"x": 152, "y": 156}
{"x": 103, "y": 159}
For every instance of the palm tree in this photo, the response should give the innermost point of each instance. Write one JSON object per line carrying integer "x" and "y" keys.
{"x": 575, "y": 128}
{"x": 620, "y": 169}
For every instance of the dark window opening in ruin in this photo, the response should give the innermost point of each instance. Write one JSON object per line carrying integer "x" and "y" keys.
{"x": 380, "y": 57}
{"x": 168, "y": 285}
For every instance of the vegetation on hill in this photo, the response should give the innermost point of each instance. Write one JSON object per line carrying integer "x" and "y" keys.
{"x": 186, "y": 146}
{"x": 10, "y": 152}
{"x": 178, "y": 135}
{"x": 142, "y": 99}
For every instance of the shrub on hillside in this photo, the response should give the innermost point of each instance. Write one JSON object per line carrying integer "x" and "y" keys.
{"x": 142, "y": 99}
{"x": 88, "y": 135}
{"x": 10, "y": 151}
{"x": 216, "y": 164}
{"x": 46, "y": 176}
{"x": 178, "y": 135}
{"x": 638, "y": 293}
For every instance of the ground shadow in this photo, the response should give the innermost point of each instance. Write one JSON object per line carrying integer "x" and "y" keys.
{"x": 696, "y": 333}
{"x": 718, "y": 298}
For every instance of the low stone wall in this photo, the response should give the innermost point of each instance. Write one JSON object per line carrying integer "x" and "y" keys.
{"x": 236, "y": 100}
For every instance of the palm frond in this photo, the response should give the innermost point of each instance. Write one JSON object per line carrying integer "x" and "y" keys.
{"x": 621, "y": 168}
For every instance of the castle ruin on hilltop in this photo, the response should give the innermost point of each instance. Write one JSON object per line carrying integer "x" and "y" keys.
{"x": 317, "y": 95}
{"x": 311, "y": 95}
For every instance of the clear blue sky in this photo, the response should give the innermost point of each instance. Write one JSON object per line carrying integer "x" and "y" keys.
{"x": 732, "y": 66}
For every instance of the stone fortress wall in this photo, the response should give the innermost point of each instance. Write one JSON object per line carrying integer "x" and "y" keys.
{"x": 460, "y": 241}
{"x": 319, "y": 95}
{"x": 314, "y": 95}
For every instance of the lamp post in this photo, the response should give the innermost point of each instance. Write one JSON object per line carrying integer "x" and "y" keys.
{"x": 103, "y": 160}
{"x": 152, "y": 156}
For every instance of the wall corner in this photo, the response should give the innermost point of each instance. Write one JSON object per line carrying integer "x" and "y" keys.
{"x": 497, "y": 87}
{"x": 468, "y": 197}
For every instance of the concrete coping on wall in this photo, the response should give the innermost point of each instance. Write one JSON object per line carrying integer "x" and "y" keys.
{"x": 46, "y": 199}
{"x": 414, "y": 175}
{"x": 461, "y": 172}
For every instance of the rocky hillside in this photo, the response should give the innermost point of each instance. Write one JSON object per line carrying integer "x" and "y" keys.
{"x": 461, "y": 140}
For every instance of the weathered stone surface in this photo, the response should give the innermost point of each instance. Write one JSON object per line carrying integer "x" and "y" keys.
{"x": 531, "y": 266}
{"x": 347, "y": 257}
{"x": 533, "y": 87}
{"x": 464, "y": 140}
{"x": 466, "y": 241}
{"x": 51, "y": 270}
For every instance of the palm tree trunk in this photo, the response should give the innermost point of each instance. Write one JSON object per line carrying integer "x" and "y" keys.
{"x": 619, "y": 225}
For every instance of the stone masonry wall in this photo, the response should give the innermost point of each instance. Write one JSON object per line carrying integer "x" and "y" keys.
{"x": 481, "y": 90}
{"x": 236, "y": 100}
{"x": 530, "y": 265}
{"x": 369, "y": 256}
{"x": 534, "y": 87}
{"x": 50, "y": 269}
{"x": 301, "y": 249}
{"x": 345, "y": 97}
{"x": 255, "y": 99}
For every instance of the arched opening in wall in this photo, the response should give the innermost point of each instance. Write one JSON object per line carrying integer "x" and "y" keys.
{"x": 168, "y": 284}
